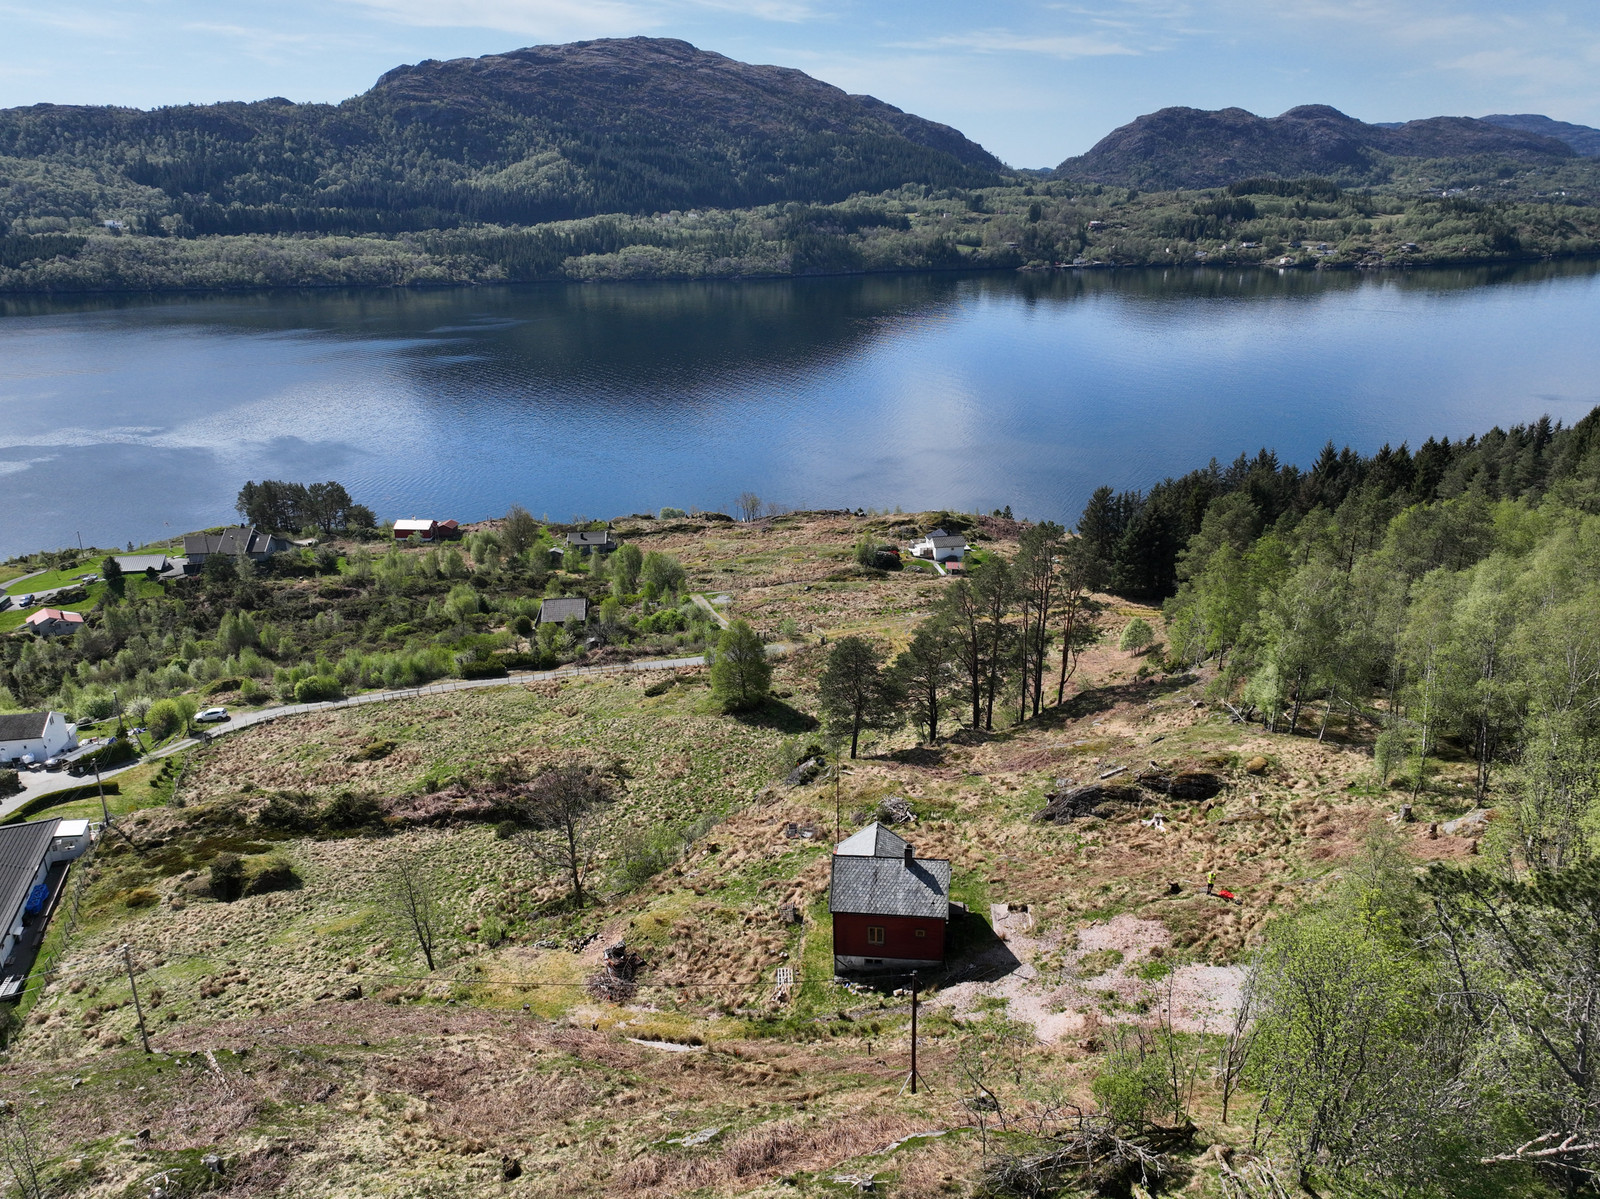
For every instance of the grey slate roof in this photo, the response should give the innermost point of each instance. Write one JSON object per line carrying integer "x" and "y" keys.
{"x": 22, "y": 849}
{"x": 235, "y": 541}
{"x": 874, "y": 841}
{"x": 20, "y": 726}
{"x": 890, "y": 886}
{"x": 590, "y": 537}
{"x": 559, "y": 611}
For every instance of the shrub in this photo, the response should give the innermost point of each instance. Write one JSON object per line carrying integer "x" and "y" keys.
{"x": 290, "y": 811}
{"x": 269, "y": 873}
{"x": 506, "y": 829}
{"x": 169, "y": 716}
{"x": 372, "y": 751}
{"x": 10, "y": 782}
{"x": 227, "y": 876}
{"x": 317, "y": 689}
{"x": 661, "y": 686}
{"x": 224, "y": 685}
{"x": 1137, "y": 636}
{"x": 140, "y": 897}
{"x": 349, "y": 810}
{"x": 479, "y": 669}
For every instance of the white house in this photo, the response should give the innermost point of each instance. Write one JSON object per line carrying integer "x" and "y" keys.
{"x": 39, "y": 735}
{"x": 940, "y": 546}
{"x": 33, "y": 863}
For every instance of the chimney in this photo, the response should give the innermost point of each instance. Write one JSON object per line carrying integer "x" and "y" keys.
{"x": 909, "y": 854}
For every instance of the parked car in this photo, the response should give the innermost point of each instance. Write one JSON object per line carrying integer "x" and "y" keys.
{"x": 26, "y": 601}
{"x": 54, "y": 764}
{"x": 212, "y": 716}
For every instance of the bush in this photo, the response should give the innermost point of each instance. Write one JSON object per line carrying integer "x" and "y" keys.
{"x": 317, "y": 689}
{"x": 227, "y": 877}
{"x": 10, "y": 782}
{"x": 661, "y": 686}
{"x": 522, "y": 661}
{"x": 506, "y": 829}
{"x": 480, "y": 669}
{"x": 269, "y": 873}
{"x": 224, "y": 685}
{"x": 169, "y": 716}
{"x": 348, "y": 810}
{"x": 1137, "y": 636}
{"x": 140, "y": 897}
{"x": 372, "y": 751}
{"x": 290, "y": 811}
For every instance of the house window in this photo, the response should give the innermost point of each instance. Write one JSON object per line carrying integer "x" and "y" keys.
{"x": 874, "y": 935}
{"x": 921, "y": 932}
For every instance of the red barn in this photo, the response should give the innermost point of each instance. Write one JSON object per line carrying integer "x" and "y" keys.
{"x": 890, "y": 907}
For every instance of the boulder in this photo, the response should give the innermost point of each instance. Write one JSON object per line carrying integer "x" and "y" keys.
{"x": 1474, "y": 824}
{"x": 1182, "y": 784}
{"x": 804, "y": 773}
{"x": 1092, "y": 799}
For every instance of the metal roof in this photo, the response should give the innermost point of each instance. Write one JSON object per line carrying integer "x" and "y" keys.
{"x": 874, "y": 841}
{"x": 137, "y": 564}
{"x": 22, "y": 850}
{"x": 414, "y": 526}
{"x": 875, "y": 886}
{"x": 559, "y": 611}
{"x": 19, "y": 726}
{"x": 590, "y": 537}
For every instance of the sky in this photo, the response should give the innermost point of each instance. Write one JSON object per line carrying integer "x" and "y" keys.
{"x": 1034, "y": 81}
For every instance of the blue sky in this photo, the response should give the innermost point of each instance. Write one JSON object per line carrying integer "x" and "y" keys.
{"x": 1033, "y": 80}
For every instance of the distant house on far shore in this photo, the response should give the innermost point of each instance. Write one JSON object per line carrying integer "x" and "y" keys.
{"x": 567, "y": 608}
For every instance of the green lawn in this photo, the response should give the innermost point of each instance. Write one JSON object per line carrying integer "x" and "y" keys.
{"x": 53, "y": 578}
{"x": 134, "y": 587}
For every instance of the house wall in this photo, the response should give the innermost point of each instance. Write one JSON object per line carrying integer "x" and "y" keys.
{"x": 57, "y": 737}
{"x": 853, "y": 948}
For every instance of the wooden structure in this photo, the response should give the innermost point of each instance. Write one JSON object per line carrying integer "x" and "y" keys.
{"x": 890, "y": 908}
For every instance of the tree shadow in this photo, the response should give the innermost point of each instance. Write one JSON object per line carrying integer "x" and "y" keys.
{"x": 779, "y": 716}
{"x": 918, "y": 755}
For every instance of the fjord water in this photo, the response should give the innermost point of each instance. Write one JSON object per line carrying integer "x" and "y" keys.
{"x": 131, "y": 419}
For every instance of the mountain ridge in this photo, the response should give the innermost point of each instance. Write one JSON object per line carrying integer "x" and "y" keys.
{"x": 1194, "y": 148}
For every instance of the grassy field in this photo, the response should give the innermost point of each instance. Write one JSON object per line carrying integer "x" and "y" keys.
{"x": 300, "y": 1036}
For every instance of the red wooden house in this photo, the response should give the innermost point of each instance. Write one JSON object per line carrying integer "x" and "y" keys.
{"x": 890, "y": 907}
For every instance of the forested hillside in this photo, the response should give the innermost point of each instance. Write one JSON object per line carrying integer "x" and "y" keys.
{"x": 1191, "y": 147}
{"x": 547, "y": 133}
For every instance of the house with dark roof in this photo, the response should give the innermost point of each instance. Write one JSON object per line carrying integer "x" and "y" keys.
{"x": 33, "y": 863}
{"x": 592, "y": 541}
{"x": 39, "y": 736}
{"x": 941, "y": 546}
{"x": 239, "y": 541}
{"x": 564, "y": 609}
{"x": 890, "y": 908}
{"x": 53, "y": 622}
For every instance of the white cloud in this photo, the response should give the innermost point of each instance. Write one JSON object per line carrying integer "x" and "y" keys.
{"x": 1004, "y": 41}
{"x": 552, "y": 20}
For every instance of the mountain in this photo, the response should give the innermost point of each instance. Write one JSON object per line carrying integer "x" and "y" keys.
{"x": 627, "y": 126}
{"x": 1583, "y": 138}
{"x": 1192, "y": 147}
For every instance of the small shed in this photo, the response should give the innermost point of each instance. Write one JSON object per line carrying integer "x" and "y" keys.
{"x": 890, "y": 908}
{"x": 563, "y": 610}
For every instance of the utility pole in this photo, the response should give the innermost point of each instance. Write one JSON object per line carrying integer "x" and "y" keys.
{"x": 913, "y": 1078}
{"x": 127, "y": 960}
{"x": 80, "y": 542}
{"x": 912, "y": 1031}
{"x": 105, "y": 812}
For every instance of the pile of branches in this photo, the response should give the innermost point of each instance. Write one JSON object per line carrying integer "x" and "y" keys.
{"x": 617, "y": 980}
{"x": 1089, "y": 1151}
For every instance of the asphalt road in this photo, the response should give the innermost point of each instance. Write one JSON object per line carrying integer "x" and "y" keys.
{"x": 37, "y": 784}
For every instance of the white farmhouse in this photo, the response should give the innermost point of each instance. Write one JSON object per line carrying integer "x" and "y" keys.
{"x": 941, "y": 546}
{"x": 39, "y": 735}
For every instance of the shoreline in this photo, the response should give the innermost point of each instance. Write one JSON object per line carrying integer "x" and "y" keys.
{"x": 1097, "y": 267}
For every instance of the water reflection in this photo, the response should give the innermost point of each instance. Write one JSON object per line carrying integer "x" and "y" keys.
{"x": 125, "y": 418}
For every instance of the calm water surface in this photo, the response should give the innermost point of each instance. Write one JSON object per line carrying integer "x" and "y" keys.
{"x": 130, "y": 419}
